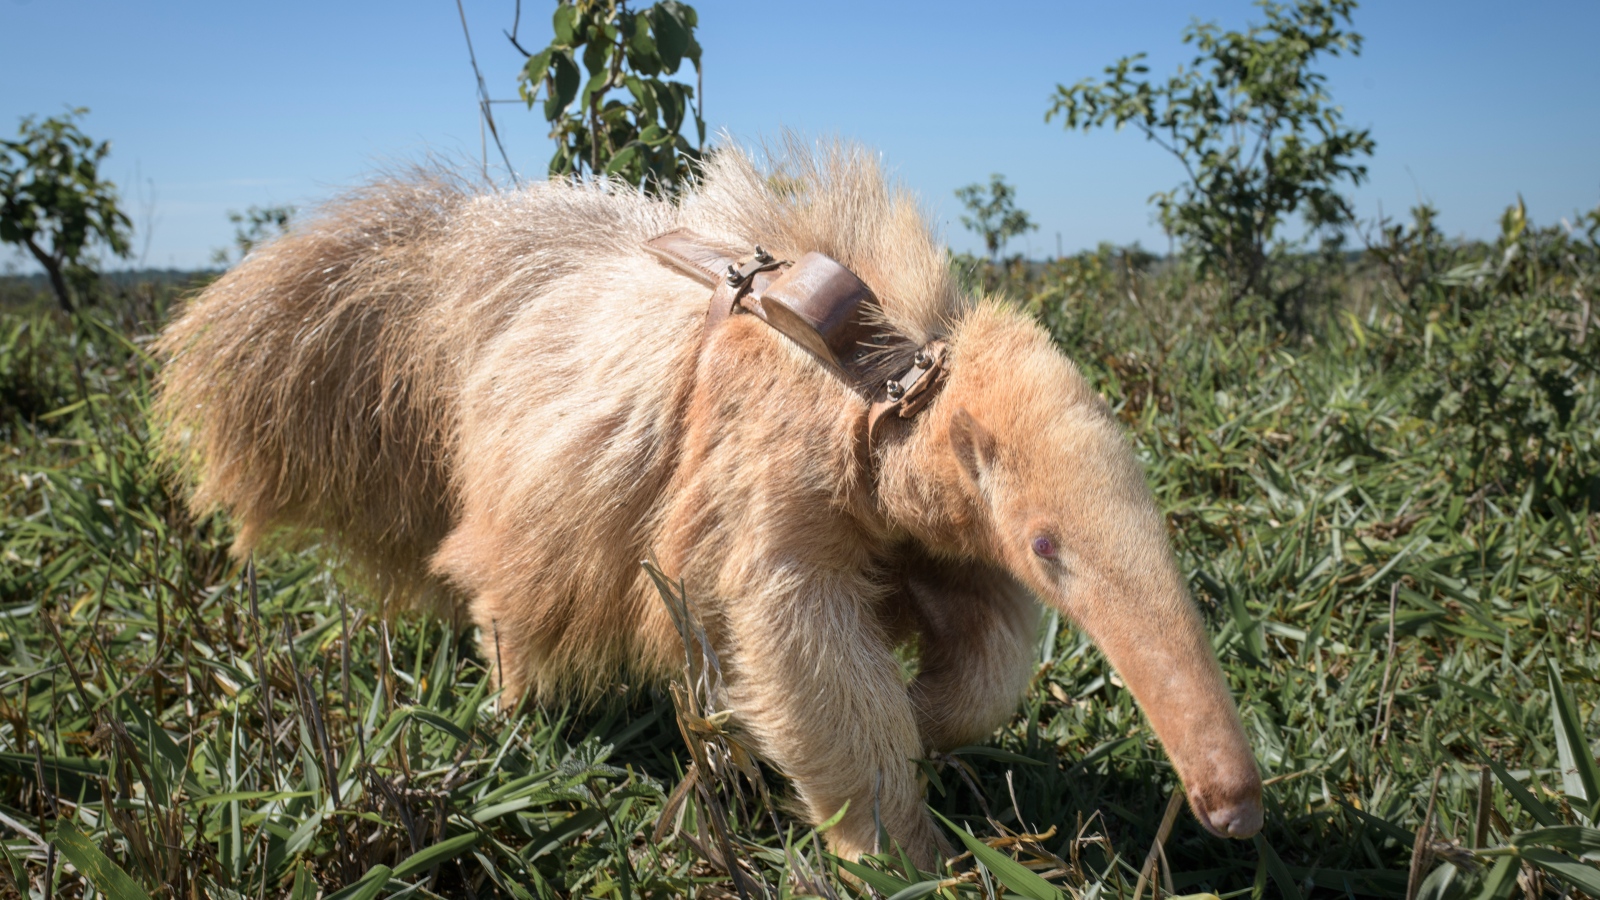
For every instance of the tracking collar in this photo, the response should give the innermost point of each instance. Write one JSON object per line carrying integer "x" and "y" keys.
{"x": 820, "y": 305}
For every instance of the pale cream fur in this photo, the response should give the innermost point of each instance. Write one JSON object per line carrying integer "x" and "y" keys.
{"x": 498, "y": 402}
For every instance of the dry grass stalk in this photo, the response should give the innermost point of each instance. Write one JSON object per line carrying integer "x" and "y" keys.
{"x": 717, "y": 758}
{"x": 1422, "y": 851}
{"x": 1157, "y": 853}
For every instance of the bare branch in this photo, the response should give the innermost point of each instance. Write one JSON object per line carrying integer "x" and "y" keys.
{"x": 484, "y": 102}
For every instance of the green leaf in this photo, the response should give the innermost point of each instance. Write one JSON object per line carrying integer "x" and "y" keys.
{"x": 1109, "y": 748}
{"x": 1279, "y": 872}
{"x": 108, "y": 877}
{"x": 565, "y": 22}
{"x": 834, "y": 819}
{"x": 537, "y": 68}
{"x": 1398, "y": 833}
{"x": 879, "y": 881}
{"x": 932, "y": 774}
{"x": 564, "y": 80}
{"x": 599, "y": 84}
{"x": 439, "y": 722}
{"x": 305, "y": 886}
{"x": 992, "y": 753}
{"x": 1501, "y": 880}
{"x": 596, "y": 58}
{"x": 1581, "y": 875}
{"x": 643, "y": 55}
{"x": 622, "y": 159}
{"x": 428, "y": 857}
{"x": 1012, "y": 874}
{"x": 916, "y": 891}
{"x": 561, "y": 832}
{"x": 654, "y": 135}
{"x": 19, "y": 875}
{"x": 231, "y": 796}
{"x": 72, "y": 776}
{"x": 1579, "y": 775}
{"x": 163, "y": 749}
{"x": 636, "y": 89}
{"x": 298, "y": 840}
{"x": 1524, "y": 797}
{"x": 1572, "y": 838}
{"x": 488, "y": 812}
{"x": 1438, "y": 883}
{"x": 561, "y": 160}
{"x": 672, "y": 39}
{"x": 368, "y": 888}
{"x": 65, "y": 410}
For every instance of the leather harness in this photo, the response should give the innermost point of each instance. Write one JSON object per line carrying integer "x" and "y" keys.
{"x": 820, "y": 305}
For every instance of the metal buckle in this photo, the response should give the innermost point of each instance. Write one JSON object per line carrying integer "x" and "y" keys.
{"x": 738, "y": 277}
{"x": 928, "y": 362}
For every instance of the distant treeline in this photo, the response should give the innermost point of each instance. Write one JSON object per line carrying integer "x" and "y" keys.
{"x": 18, "y": 290}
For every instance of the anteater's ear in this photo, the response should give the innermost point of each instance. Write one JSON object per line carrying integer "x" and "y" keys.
{"x": 973, "y": 444}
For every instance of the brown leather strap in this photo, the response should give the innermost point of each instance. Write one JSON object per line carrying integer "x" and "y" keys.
{"x": 735, "y": 283}
{"x": 691, "y": 255}
{"x": 821, "y": 306}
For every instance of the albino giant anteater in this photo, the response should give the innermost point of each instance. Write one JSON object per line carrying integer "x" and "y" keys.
{"x": 504, "y": 400}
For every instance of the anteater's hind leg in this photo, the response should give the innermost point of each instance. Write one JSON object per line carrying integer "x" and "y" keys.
{"x": 977, "y": 629}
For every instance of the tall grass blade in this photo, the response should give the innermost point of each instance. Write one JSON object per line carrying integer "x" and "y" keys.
{"x": 916, "y": 891}
{"x": 879, "y": 881}
{"x": 1580, "y": 777}
{"x": 107, "y": 877}
{"x": 1279, "y": 872}
{"x": 368, "y": 888}
{"x": 1571, "y": 838}
{"x": 1014, "y": 875}
{"x": 1501, "y": 880}
{"x": 1581, "y": 875}
{"x": 1524, "y": 797}
{"x": 429, "y": 857}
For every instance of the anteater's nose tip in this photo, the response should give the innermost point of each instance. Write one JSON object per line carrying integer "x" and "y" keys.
{"x": 1240, "y": 819}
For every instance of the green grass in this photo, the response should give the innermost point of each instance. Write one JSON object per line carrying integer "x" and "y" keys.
{"x": 1393, "y": 524}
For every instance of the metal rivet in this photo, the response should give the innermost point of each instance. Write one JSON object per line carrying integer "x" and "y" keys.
{"x": 762, "y": 256}
{"x": 896, "y": 390}
{"x": 922, "y": 360}
{"x": 733, "y": 276}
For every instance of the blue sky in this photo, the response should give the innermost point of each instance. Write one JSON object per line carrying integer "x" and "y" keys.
{"x": 213, "y": 107}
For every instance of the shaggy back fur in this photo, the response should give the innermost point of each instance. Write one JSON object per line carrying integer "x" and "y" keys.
{"x": 315, "y": 388}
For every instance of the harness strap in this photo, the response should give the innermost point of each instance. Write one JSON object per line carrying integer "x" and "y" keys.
{"x": 820, "y": 305}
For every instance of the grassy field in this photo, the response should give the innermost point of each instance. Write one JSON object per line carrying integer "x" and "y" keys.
{"x": 1390, "y": 514}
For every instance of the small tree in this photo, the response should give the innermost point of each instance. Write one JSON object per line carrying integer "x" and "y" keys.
{"x": 256, "y": 225}
{"x": 625, "y": 120}
{"x": 1254, "y": 127}
{"x": 54, "y": 203}
{"x": 993, "y": 214}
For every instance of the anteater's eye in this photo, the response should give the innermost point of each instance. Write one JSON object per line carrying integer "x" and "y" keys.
{"x": 1044, "y": 547}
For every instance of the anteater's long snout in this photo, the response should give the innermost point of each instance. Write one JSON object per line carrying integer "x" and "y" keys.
{"x": 1163, "y": 654}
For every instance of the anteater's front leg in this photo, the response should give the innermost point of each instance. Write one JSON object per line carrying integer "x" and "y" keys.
{"x": 813, "y": 681}
{"x": 977, "y": 628}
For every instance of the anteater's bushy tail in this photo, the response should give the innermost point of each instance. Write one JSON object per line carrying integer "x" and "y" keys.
{"x": 290, "y": 396}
